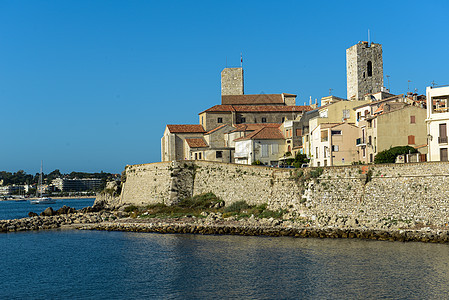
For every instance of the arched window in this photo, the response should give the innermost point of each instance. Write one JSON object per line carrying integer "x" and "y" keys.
{"x": 369, "y": 68}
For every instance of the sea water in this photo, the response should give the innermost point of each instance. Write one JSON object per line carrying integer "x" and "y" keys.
{"x": 19, "y": 209}
{"x": 73, "y": 264}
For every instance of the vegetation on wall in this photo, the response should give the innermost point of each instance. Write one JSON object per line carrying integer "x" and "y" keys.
{"x": 389, "y": 155}
{"x": 200, "y": 206}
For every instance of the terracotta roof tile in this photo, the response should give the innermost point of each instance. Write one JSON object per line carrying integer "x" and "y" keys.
{"x": 215, "y": 129}
{"x": 258, "y": 108}
{"x": 254, "y": 126}
{"x": 252, "y": 99}
{"x": 265, "y": 133}
{"x": 186, "y": 128}
{"x": 196, "y": 143}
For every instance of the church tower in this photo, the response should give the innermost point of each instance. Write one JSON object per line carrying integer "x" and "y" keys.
{"x": 364, "y": 70}
{"x": 232, "y": 81}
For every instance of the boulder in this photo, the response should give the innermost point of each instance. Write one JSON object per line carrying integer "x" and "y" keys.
{"x": 32, "y": 214}
{"x": 63, "y": 210}
{"x": 48, "y": 212}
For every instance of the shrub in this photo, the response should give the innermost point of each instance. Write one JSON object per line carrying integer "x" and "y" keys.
{"x": 131, "y": 208}
{"x": 237, "y": 206}
{"x": 202, "y": 201}
{"x": 316, "y": 173}
{"x": 257, "y": 163}
{"x": 389, "y": 155}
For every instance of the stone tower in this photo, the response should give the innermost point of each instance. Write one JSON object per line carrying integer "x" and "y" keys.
{"x": 232, "y": 81}
{"x": 364, "y": 70}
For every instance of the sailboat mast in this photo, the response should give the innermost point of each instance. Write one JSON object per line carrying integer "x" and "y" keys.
{"x": 40, "y": 182}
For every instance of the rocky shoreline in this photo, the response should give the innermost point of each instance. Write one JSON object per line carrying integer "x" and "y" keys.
{"x": 90, "y": 219}
{"x": 261, "y": 228}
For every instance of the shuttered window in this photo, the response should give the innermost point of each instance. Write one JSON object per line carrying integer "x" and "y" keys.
{"x": 274, "y": 148}
{"x": 264, "y": 150}
{"x": 411, "y": 139}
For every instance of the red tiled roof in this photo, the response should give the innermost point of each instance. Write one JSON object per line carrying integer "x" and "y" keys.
{"x": 258, "y": 108}
{"x": 252, "y": 99}
{"x": 265, "y": 133}
{"x": 215, "y": 129}
{"x": 186, "y": 128}
{"x": 254, "y": 126}
{"x": 196, "y": 143}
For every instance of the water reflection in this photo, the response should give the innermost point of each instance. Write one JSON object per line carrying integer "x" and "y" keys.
{"x": 105, "y": 265}
{"x": 260, "y": 267}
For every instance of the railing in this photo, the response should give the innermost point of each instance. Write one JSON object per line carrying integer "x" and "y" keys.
{"x": 442, "y": 139}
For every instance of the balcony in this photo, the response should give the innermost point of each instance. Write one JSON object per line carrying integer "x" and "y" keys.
{"x": 360, "y": 142}
{"x": 442, "y": 140}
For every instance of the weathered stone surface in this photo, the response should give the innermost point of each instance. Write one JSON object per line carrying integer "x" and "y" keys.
{"x": 48, "y": 212}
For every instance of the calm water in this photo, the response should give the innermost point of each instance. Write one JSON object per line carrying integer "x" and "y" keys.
{"x": 73, "y": 264}
{"x": 17, "y": 210}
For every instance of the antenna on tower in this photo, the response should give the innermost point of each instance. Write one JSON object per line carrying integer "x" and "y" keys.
{"x": 388, "y": 81}
{"x": 408, "y": 86}
{"x": 433, "y": 83}
{"x": 241, "y": 59}
{"x": 369, "y": 40}
{"x": 330, "y": 91}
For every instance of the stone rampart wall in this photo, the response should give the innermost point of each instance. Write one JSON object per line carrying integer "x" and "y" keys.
{"x": 396, "y": 192}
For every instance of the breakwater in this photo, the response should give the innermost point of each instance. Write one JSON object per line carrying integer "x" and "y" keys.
{"x": 49, "y": 219}
{"x": 269, "y": 227}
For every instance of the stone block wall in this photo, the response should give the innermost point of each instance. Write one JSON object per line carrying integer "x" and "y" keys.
{"x": 402, "y": 192}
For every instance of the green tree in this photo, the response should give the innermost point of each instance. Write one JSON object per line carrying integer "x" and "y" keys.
{"x": 389, "y": 155}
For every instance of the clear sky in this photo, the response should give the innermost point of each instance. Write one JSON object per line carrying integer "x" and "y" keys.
{"x": 89, "y": 85}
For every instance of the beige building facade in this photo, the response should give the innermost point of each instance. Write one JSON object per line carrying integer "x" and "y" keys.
{"x": 437, "y": 122}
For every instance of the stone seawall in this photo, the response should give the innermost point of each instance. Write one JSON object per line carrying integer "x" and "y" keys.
{"x": 375, "y": 195}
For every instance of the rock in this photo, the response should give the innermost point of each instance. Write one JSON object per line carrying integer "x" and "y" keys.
{"x": 48, "y": 212}
{"x": 63, "y": 210}
{"x": 32, "y": 214}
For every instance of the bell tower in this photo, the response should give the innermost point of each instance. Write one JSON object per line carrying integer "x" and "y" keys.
{"x": 364, "y": 70}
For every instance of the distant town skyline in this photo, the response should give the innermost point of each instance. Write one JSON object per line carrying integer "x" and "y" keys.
{"x": 89, "y": 86}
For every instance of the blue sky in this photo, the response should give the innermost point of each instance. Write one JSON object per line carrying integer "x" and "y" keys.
{"x": 89, "y": 85}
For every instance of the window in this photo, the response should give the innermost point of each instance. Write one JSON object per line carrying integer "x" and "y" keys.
{"x": 326, "y": 152}
{"x": 369, "y": 140}
{"x": 336, "y": 132}
{"x": 369, "y": 68}
{"x": 199, "y": 155}
{"x": 334, "y": 148}
{"x": 316, "y": 152}
{"x": 196, "y": 156}
{"x": 371, "y": 158}
{"x": 363, "y": 152}
{"x": 220, "y": 120}
{"x": 264, "y": 151}
{"x": 283, "y": 119}
{"x": 346, "y": 114}
{"x": 264, "y": 120}
{"x": 443, "y": 154}
{"x": 242, "y": 119}
{"x": 443, "y": 133}
{"x": 411, "y": 139}
{"x": 274, "y": 148}
{"x": 219, "y": 154}
{"x": 324, "y": 135}
{"x": 298, "y": 132}
{"x": 412, "y": 120}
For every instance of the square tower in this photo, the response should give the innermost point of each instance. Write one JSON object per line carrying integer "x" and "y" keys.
{"x": 232, "y": 81}
{"x": 364, "y": 70}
